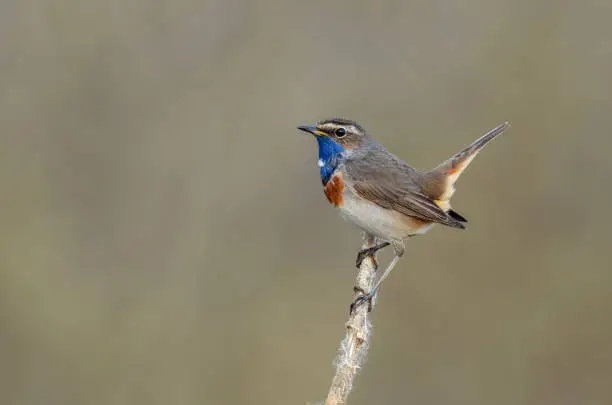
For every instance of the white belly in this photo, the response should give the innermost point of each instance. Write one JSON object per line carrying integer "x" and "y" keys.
{"x": 384, "y": 223}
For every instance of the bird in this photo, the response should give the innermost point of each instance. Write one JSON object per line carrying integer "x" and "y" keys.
{"x": 381, "y": 194}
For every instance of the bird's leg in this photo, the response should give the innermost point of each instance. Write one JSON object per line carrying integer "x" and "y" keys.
{"x": 363, "y": 297}
{"x": 368, "y": 297}
{"x": 370, "y": 252}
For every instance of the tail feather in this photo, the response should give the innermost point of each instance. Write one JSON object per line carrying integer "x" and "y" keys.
{"x": 455, "y": 215}
{"x": 447, "y": 173}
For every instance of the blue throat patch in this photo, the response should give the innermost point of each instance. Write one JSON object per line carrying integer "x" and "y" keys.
{"x": 329, "y": 156}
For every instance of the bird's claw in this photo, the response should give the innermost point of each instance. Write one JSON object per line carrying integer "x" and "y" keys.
{"x": 361, "y": 256}
{"x": 362, "y": 298}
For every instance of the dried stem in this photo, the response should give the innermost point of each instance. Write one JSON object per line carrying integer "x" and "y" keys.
{"x": 354, "y": 346}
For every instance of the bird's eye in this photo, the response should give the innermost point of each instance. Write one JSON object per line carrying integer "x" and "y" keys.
{"x": 340, "y": 132}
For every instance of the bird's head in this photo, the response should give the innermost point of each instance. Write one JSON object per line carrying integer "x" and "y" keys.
{"x": 335, "y": 137}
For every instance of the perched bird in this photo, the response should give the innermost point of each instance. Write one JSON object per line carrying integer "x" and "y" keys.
{"x": 381, "y": 194}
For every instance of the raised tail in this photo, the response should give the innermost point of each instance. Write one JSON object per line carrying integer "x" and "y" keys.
{"x": 444, "y": 176}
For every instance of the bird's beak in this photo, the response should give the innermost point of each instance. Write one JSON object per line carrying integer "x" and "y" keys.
{"x": 311, "y": 129}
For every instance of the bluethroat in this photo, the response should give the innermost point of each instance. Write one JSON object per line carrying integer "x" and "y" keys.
{"x": 381, "y": 194}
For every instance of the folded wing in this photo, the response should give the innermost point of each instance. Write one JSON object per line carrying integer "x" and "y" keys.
{"x": 384, "y": 179}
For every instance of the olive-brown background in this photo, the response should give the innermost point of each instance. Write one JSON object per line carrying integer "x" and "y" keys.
{"x": 164, "y": 236}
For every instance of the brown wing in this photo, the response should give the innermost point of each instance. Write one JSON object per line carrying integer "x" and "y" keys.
{"x": 406, "y": 202}
{"x": 384, "y": 179}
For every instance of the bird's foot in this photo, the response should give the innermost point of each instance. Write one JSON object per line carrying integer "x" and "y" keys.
{"x": 361, "y": 299}
{"x": 361, "y": 256}
{"x": 369, "y": 252}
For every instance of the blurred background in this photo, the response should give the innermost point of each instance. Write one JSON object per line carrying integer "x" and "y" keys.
{"x": 164, "y": 237}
